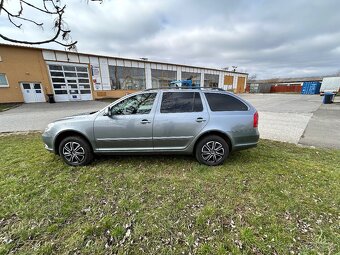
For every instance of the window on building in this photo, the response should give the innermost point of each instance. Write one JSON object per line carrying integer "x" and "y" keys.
{"x": 139, "y": 104}
{"x": 175, "y": 102}
{"x": 211, "y": 80}
{"x": 3, "y": 80}
{"x": 195, "y": 77}
{"x": 222, "y": 102}
{"x": 162, "y": 78}
{"x": 123, "y": 77}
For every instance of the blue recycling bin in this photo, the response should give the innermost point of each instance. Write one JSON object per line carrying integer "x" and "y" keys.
{"x": 328, "y": 98}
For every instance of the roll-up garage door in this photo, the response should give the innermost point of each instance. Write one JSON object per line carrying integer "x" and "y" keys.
{"x": 70, "y": 82}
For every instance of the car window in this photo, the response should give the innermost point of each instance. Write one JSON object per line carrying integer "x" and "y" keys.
{"x": 222, "y": 102}
{"x": 175, "y": 102}
{"x": 138, "y": 104}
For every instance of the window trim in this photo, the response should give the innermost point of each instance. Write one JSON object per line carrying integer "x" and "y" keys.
{"x": 7, "y": 85}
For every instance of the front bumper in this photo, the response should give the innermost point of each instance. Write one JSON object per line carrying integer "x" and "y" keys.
{"x": 48, "y": 141}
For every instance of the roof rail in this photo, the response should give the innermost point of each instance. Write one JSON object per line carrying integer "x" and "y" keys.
{"x": 219, "y": 89}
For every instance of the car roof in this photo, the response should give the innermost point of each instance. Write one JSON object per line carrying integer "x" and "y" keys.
{"x": 183, "y": 89}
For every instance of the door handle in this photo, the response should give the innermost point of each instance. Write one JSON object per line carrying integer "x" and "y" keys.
{"x": 200, "y": 119}
{"x": 145, "y": 121}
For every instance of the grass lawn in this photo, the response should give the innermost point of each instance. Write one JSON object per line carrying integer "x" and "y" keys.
{"x": 5, "y": 107}
{"x": 275, "y": 199}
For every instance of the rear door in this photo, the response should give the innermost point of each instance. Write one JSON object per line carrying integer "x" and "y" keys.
{"x": 179, "y": 117}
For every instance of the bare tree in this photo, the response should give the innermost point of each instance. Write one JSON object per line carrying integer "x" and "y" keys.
{"x": 252, "y": 76}
{"x": 53, "y": 8}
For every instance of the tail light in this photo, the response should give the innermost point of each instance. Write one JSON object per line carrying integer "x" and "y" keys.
{"x": 256, "y": 120}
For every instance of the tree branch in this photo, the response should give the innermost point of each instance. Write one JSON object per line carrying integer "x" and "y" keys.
{"x": 17, "y": 16}
{"x": 61, "y": 30}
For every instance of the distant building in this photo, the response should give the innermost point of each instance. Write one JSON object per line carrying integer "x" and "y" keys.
{"x": 280, "y": 85}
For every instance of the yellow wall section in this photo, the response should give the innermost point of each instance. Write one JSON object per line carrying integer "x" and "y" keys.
{"x": 112, "y": 93}
{"x": 22, "y": 65}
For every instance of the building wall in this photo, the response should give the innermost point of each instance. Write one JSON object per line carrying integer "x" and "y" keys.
{"x": 21, "y": 65}
{"x": 25, "y": 64}
{"x": 101, "y": 80}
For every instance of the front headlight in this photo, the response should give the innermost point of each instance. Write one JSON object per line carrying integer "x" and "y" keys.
{"x": 49, "y": 127}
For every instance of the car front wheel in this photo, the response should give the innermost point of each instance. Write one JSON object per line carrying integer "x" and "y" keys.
{"x": 75, "y": 151}
{"x": 212, "y": 150}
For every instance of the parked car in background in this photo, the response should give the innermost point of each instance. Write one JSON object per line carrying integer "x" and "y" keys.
{"x": 208, "y": 123}
{"x": 330, "y": 84}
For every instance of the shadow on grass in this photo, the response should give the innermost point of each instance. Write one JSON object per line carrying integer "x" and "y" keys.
{"x": 239, "y": 157}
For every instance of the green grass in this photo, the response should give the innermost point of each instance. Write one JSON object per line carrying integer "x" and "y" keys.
{"x": 275, "y": 199}
{"x": 5, "y": 107}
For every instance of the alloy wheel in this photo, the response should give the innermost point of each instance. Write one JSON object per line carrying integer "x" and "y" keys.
{"x": 73, "y": 152}
{"x": 212, "y": 152}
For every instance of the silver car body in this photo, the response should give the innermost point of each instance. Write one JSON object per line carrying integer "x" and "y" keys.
{"x": 156, "y": 132}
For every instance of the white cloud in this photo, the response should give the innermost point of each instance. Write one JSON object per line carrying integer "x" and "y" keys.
{"x": 268, "y": 37}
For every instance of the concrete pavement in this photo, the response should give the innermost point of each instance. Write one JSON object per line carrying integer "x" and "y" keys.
{"x": 323, "y": 130}
{"x": 29, "y": 117}
{"x": 283, "y": 117}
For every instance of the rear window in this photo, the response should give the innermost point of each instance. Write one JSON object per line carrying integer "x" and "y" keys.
{"x": 222, "y": 102}
{"x": 175, "y": 102}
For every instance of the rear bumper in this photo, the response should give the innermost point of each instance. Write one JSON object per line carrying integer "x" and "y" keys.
{"x": 244, "y": 146}
{"x": 246, "y": 140}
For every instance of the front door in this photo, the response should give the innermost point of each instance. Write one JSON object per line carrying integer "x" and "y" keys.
{"x": 129, "y": 128}
{"x": 32, "y": 92}
{"x": 72, "y": 89}
{"x": 178, "y": 120}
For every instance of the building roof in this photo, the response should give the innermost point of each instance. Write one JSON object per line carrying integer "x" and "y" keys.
{"x": 132, "y": 59}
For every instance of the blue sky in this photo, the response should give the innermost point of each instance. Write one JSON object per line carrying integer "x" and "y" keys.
{"x": 269, "y": 38}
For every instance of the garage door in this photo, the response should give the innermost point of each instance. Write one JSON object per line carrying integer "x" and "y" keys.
{"x": 32, "y": 92}
{"x": 240, "y": 84}
{"x": 70, "y": 82}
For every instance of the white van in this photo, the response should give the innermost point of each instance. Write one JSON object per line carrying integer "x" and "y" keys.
{"x": 330, "y": 84}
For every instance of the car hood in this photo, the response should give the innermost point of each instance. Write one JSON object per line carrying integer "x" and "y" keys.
{"x": 84, "y": 113}
{"x": 76, "y": 116}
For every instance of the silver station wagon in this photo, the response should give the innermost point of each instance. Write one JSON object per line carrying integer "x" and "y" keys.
{"x": 208, "y": 123}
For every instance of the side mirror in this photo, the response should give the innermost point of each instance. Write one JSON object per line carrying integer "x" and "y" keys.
{"x": 107, "y": 111}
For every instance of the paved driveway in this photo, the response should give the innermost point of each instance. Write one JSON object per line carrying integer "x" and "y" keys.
{"x": 36, "y": 116}
{"x": 284, "y": 117}
{"x": 323, "y": 130}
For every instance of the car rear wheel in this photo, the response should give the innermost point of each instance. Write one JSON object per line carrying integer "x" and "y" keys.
{"x": 75, "y": 151}
{"x": 212, "y": 150}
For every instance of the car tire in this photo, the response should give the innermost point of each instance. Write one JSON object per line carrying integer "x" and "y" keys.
{"x": 76, "y": 151}
{"x": 212, "y": 150}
